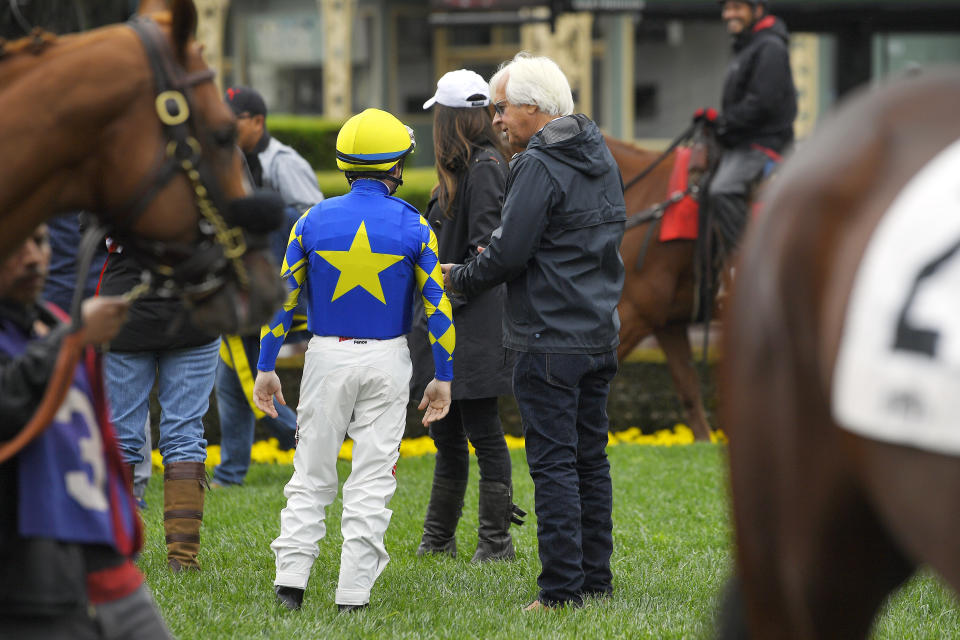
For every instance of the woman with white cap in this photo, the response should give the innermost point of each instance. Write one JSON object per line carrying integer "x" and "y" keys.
{"x": 463, "y": 212}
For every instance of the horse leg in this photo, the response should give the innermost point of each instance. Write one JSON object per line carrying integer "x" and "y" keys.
{"x": 633, "y": 329}
{"x": 813, "y": 555}
{"x": 675, "y": 343}
{"x": 921, "y": 506}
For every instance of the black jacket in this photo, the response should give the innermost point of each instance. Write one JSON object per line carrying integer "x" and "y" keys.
{"x": 558, "y": 246}
{"x": 759, "y": 97}
{"x": 482, "y": 368}
{"x": 153, "y": 323}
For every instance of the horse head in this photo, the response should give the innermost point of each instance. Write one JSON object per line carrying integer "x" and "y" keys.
{"x": 176, "y": 192}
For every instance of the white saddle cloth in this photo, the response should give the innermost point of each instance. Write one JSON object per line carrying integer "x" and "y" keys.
{"x": 897, "y": 376}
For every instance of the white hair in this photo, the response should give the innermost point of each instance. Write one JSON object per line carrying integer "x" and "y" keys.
{"x": 534, "y": 80}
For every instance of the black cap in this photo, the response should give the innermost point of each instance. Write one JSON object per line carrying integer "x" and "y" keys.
{"x": 245, "y": 100}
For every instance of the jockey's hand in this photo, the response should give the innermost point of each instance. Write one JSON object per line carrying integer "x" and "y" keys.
{"x": 103, "y": 317}
{"x": 265, "y": 388}
{"x": 447, "y": 284}
{"x": 436, "y": 401}
{"x": 707, "y": 114}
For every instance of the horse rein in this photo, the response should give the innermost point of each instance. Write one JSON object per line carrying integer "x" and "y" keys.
{"x": 683, "y": 137}
{"x": 182, "y": 154}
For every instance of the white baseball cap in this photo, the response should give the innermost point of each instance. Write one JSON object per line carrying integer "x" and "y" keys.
{"x": 455, "y": 87}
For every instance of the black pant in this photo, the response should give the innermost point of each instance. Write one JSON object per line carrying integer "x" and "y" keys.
{"x": 478, "y": 420}
{"x": 739, "y": 170}
{"x": 563, "y": 404}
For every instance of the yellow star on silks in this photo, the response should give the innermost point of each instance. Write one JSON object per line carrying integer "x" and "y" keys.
{"x": 359, "y": 267}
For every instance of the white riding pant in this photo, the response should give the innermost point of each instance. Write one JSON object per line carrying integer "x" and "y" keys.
{"x": 357, "y": 388}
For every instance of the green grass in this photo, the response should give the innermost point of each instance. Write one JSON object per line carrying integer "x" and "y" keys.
{"x": 671, "y": 557}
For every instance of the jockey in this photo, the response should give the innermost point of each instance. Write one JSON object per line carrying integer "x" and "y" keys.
{"x": 759, "y": 105}
{"x": 360, "y": 256}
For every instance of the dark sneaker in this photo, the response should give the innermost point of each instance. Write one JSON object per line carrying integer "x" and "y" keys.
{"x": 347, "y": 608}
{"x": 289, "y": 597}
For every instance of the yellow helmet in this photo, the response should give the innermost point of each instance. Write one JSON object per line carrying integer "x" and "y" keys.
{"x": 373, "y": 141}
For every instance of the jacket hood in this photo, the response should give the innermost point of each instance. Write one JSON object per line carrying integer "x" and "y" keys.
{"x": 573, "y": 140}
{"x": 766, "y": 27}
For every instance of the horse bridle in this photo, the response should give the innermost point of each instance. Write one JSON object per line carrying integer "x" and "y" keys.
{"x": 219, "y": 246}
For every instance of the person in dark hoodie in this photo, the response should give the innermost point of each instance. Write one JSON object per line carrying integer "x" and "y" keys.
{"x": 557, "y": 249}
{"x": 755, "y": 125}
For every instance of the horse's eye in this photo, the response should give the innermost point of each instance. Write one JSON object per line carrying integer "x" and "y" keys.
{"x": 226, "y": 138}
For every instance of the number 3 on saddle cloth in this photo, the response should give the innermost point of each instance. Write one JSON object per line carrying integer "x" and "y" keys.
{"x": 897, "y": 372}
{"x": 71, "y": 482}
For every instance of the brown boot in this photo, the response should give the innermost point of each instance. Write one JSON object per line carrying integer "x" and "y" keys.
{"x": 183, "y": 487}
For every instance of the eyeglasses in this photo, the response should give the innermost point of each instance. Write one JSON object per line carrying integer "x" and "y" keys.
{"x": 500, "y": 107}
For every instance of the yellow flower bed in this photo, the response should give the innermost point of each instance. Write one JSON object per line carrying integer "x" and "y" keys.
{"x": 267, "y": 451}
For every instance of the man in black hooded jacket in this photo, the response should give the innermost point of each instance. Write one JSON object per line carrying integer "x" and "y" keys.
{"x": 557, "y": 249}
{"x": 756, "y": 121}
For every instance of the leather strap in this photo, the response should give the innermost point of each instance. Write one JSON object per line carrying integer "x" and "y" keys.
{"x": 183, "y": 537}
{"x": 173, "y": 514}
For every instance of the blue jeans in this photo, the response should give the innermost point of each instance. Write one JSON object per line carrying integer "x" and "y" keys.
{"x": 184, "y": 380}
{"x": 563, "y": 405}
{"x": 236, "y": 427}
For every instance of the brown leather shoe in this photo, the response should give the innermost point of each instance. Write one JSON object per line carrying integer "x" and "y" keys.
{"x": 536, "y": 605}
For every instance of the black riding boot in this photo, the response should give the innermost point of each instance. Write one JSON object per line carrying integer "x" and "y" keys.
{"x": 496, "y": 512}
{"x": 443, "y": 513}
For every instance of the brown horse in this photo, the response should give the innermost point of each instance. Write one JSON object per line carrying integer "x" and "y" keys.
{"x": 658, "y": 297}
{"x": 126, "y": 121}
{"x": 828, "y": 522}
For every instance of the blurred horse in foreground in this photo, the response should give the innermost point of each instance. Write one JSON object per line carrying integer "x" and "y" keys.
{"x": 841, "y": 368}
{"x": 126, "y": 121}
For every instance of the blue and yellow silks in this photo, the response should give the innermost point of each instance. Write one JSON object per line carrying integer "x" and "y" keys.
{"x": 360, "y": 256}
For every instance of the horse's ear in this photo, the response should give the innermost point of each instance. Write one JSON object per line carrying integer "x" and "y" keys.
{"x": 184, "y": 25}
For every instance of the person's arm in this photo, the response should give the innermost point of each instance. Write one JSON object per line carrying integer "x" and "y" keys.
{"x": 295, "y": 181}
{"x": 483, "y": 200}
{"x": 530, "y": 196}
{"x": 24, "y": 379}
{"x": 294, "y": 273}
{"x": 443, "y": 337}
{"x": 267, "y": 386}
{"x": 770, "y": 81}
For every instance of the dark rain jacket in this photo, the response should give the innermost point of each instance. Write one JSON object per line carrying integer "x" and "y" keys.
{"x": 558, "y": 245}
{"x": 482, "y": 367}
{"x": 759, "y": 97}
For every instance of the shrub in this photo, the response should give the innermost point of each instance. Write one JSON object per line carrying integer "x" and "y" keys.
{"x": 314, "y": 138}
{"x": 416, "y": 188}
